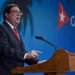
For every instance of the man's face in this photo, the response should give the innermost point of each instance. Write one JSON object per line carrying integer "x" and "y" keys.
{"x": 14, "y": 16}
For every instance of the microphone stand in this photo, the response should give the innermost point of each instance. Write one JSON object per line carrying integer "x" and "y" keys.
{"x": 41, "y": 38}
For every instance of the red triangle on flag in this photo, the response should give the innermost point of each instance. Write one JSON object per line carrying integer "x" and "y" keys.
{"x": 62, "y": 16}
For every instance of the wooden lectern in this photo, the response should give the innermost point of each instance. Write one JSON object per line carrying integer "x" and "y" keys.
{"x": 61, "y": 62}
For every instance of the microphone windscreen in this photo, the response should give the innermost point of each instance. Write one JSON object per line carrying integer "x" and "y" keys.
{"x": 38, "y": 37}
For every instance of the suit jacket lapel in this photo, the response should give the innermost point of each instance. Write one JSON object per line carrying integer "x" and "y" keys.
{"x": 12, "y": 32}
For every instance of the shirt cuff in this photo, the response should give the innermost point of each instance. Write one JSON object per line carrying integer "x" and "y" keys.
{"x": 25, "y": 56}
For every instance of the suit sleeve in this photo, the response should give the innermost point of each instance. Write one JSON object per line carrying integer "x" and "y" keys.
{"x": 31, "y": 61}
{"x": 6, "y": 49}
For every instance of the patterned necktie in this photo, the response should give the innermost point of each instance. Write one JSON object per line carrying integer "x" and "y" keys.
{"x": 16, "y": 32}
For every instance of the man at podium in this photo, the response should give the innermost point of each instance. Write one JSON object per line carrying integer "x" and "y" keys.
{"x": 12, "y": 51}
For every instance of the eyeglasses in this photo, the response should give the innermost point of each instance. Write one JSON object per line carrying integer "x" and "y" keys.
{"x": 15, "y": 11}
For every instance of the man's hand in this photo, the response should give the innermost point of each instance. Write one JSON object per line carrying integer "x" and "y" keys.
{"x": 33, "y": 54}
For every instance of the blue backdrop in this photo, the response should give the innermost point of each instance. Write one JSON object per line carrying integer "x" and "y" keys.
{"x": 42, "y": 20}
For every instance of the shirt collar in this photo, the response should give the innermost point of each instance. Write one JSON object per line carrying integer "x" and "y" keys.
{"x": 10, "y": 24}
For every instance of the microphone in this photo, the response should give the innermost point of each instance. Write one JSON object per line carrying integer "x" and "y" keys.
{"x": 38, "y": 37}
{"x": 41, "y": 38}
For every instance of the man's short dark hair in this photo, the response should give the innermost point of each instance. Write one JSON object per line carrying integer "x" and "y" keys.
{"x": 8, "y": 8}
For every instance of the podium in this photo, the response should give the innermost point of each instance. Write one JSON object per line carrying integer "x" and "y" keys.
{"x": 62, "y": 61}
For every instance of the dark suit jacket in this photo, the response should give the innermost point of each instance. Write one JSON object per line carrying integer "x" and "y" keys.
{"x": 11, "y": 50}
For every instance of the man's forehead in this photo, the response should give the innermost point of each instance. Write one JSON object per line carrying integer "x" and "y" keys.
{"x": 15, "y": 8}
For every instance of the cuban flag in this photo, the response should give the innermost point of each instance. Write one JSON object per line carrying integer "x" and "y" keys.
{"x": 62, "y": 16}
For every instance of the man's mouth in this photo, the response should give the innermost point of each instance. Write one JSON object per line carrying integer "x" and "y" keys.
{"x": 17, "y": 18}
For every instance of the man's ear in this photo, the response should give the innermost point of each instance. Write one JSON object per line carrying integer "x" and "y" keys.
{"x": 6, "y": 15}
